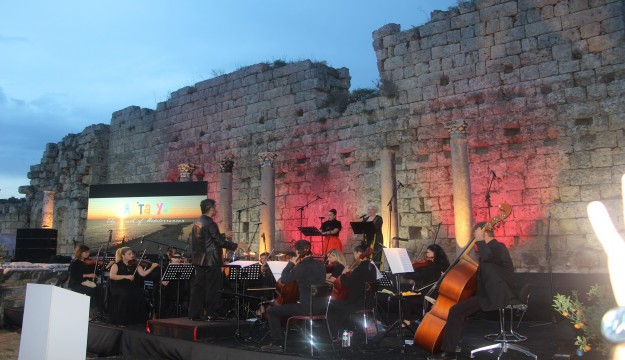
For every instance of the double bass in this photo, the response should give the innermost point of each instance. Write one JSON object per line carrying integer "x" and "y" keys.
{"x": 458, "y": 283}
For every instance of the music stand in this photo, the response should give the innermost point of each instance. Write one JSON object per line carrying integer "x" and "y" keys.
{"x": 311, "y": 231}
{"x": 178, "y": 272}
{"x": 364, "y": 228}
{"x": 241, "y": 270}
{"x": 400, "y": 263}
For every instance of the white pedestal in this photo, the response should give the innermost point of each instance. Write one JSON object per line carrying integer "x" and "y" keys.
{"x": 55, "y": 326}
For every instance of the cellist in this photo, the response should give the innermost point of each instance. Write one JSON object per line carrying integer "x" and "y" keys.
{"x": 306, "y": 271}
{"x": 494, "y": 289}
{"x": 354, "y": 279}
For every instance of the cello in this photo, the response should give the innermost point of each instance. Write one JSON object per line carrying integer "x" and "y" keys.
{"x": 458, "y": 283}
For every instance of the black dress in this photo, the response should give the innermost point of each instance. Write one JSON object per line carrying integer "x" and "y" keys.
{"x": 375, "y": 240}
{"x": 128, "y": 305}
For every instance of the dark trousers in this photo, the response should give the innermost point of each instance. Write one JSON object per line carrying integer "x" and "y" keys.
{"x": 455, "y": 322}
{"x": 338, "y": 315}
{"x": 205, "y": 298}
{"x": 277, "y": 312}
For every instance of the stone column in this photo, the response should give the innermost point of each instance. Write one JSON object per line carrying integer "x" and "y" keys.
{"x": 225, "y": 195}
{"x": 47, "y": 210}
{"x": 388, "y": 181}
{"x": 461, "y": 181}
{"x": 267, "y": 196}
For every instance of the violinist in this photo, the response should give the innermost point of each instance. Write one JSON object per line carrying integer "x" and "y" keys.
{"x": 265, "y": 277}
{"x": 128, "y": 304}
{"x": 82, "y": 276}
{"x": 335, "y": 265}
{"x": 376, "y": 239}
{"x": 494, "y": 289}
{"x": 207, "y": 245}
{"x": 426, "y": 272}
{"x": 330, "y": 229}
{"x": 306, "y": 271}
{"x": 354, "y": 279}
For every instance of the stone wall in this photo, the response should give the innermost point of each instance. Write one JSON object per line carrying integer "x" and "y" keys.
{"x": 540, "y": 84}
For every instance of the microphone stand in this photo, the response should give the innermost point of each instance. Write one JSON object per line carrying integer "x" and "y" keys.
{"x": 103, "y": 290}
{"x": 161, "y": 258}
{"x": 390, "y": 210}
{"x": 301, "y": 210}
{"x": 490, "y": 183}
{"x": 249, "y": 244}
{"x": 239, "y": 211}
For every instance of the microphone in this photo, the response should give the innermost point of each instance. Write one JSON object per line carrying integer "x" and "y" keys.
{"x": 364, "y": 216}
{"x": 494, "y": 175}
{"x": 141, "y": 242}
{"x": 262, "y": 203}
{"x": 400, "y": 184}
{"x": 318, "y": 197}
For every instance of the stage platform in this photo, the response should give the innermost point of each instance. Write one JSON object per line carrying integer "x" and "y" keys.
{"x": 217, "y": 340}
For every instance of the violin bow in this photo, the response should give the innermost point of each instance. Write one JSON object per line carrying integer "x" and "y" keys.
{"x": 139, "y": 263}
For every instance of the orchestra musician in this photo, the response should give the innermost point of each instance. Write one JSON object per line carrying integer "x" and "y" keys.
{"x": 174, "y": 292}
{"x": 306, "y": 271}
{"x": 128, "y": 305}
{"x": 354, "y": 279}
{"x": 266, "y": 277}
{"x": 330, "y": 229}
{"x": 82, "y": 276}
{"x": 426, "y": 272}
{"x": 335, "y": 265}
{"x": 495, "y": 283}
{"x": 206, "y": 249}
{"x": 374, "y": 240}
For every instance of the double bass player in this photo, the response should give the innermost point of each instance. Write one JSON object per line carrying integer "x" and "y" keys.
{"x": 494, "y": 289}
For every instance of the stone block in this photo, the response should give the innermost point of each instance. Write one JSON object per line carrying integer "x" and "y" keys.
{"x": 569, "y": 193}
{"x": 543, "y": 27}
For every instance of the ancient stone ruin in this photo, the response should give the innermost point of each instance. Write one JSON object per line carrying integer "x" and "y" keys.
{"x": 539, "y": 83}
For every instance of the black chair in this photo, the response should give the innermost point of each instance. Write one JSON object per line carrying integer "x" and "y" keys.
{"x": 317, "y": 293}
{"x": 368, "y": 311}
{"x": 507, "y": 337}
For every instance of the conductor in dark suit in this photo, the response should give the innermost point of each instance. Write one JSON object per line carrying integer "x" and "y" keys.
{"x": 494, "y": 289}
{"x": 206, "y": 254}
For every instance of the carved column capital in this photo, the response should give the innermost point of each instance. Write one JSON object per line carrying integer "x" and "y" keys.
{"x": 225, "y": 166}
{"x": 266, "y": 158}
{"x": 457, "y": 128}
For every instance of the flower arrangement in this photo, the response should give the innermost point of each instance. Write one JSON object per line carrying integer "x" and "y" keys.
{"x": 186, "y": 168}
{"x": 586, "y": 317}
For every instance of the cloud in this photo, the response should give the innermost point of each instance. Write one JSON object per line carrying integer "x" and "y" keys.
{"x": 26, "y": 127}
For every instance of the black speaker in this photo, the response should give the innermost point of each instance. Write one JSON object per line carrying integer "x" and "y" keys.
{"x": 35, "y": 245}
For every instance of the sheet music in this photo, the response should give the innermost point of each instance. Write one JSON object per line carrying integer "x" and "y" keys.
{"x": 276, "y": 268}
{"x": 398, "y": 260}
{"x": 242, "y": 263}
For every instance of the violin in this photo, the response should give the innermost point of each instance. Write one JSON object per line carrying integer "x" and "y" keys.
{"x": 142, "y": 262}
{"x": 338, "y": 291}
{"x": 422, "y": 263}
{"x": 91, "y": 262}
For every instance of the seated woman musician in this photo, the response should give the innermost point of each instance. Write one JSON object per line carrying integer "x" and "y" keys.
{"x": 128, "y": 305}
{"x": 353, "y": 281}
{"x": 426, "y": 273}
{"x": 335, "y": 265}
{"x": 82, "y": 275}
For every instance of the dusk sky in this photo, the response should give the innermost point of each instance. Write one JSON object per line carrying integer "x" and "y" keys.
{"x": 68, "y": 64}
